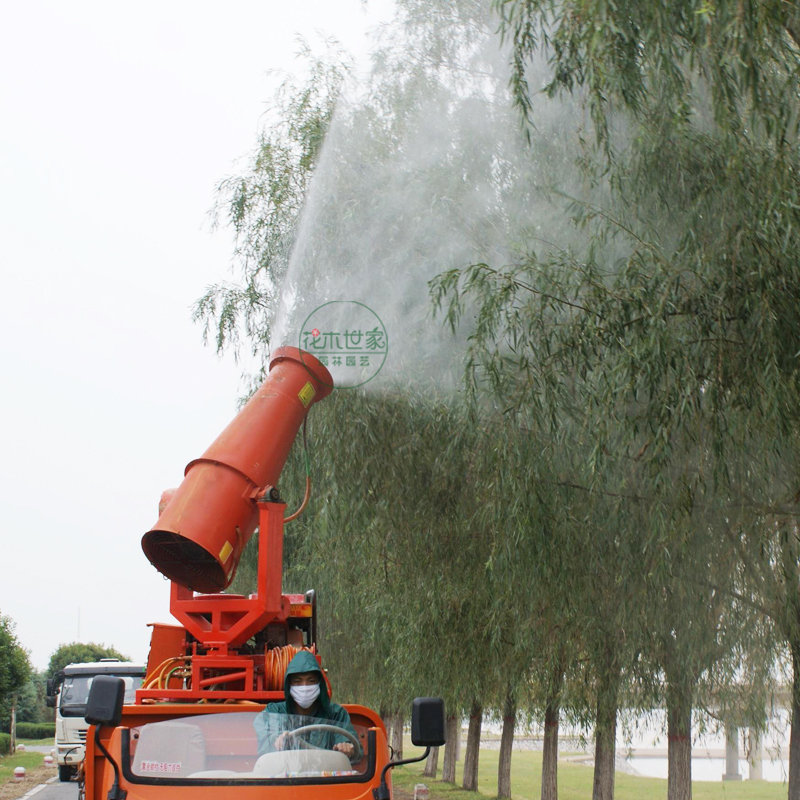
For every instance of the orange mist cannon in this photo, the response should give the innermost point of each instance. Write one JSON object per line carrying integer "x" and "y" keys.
{"x": 224, "y": 649}
{"x": 200, "y": 535}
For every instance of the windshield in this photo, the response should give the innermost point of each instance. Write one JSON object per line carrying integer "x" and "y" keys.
{"x": 255, "y": 746}
{"x": 75, "y": 692}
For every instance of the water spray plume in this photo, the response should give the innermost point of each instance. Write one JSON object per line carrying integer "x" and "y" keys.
{"x": 426, "y": 171}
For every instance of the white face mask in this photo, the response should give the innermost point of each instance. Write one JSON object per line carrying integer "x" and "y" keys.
{"x": 304, "y": 696}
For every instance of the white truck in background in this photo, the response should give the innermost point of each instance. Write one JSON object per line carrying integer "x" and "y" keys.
{"x": 68, "y": 692}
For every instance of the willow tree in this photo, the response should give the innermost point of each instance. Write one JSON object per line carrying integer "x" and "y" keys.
{"x": 763, "y": 535}
{"x": 263, "y": 204}
{"x": 396, "y": 195}
{"x": 641, "y": 327}
{"x": 673, "y": 331}
{"x": 606, "y": 583}
{"x": 388, "y": 544}
{"x": 396, "y": 489}
{"x": 533, "y": 537}
{"x": 706, "y": 652}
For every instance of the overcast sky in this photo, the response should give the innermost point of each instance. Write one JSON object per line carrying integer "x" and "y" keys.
{"x": 117, "y": 122}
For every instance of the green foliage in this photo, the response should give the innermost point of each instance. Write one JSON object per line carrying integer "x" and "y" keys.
{"x": 611, "y": 514}
{"x": 15, "y": 668}
{"x": 683, "y": 307}
{"x": 402, "y": 470}
{"x": 401, "y": 488}
{"x": 642, "y": 58}
{"x": 681, "y": 317}
{"x": 5, "y": 744}
{"x": 80, "y": 653}
{"x": 263, "y": 204}
{"x": 30, "y": 703}
{"x": 662, "y": 347}
{"x": 32, "y": 730}
{"x": 41, "y": 730}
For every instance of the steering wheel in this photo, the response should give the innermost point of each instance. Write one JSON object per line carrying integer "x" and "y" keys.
{"x": 357, "y": 751}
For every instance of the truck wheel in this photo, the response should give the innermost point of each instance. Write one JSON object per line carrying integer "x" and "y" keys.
{"x": 65, "y": 772}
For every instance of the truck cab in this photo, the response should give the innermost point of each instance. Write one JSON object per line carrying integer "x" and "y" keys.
{"x": 68, "y": 693}
{"x": 225, "y": 751}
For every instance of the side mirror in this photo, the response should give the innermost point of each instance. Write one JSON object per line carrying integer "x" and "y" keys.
{"x": 105, "y": 701}
{"x": 428, "y": 722}
{"x": 51, "y": 687}
{"x": 427, "y": 730}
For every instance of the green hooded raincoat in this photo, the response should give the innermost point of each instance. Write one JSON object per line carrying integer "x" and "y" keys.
{"x": 277, "y": 718}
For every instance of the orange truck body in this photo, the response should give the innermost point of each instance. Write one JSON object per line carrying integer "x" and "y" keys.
{"x": 99, "y": 776}
{"x": 228, "y": 653}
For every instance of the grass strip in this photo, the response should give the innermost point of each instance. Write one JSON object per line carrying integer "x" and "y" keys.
{"x": 28, "y": 760}
{"x": 574, "y": 781}
{"x": 37, "y": 773}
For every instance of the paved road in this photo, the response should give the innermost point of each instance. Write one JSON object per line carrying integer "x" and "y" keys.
{"x": 58, "y": 791}
{"x": 55, "y": 790}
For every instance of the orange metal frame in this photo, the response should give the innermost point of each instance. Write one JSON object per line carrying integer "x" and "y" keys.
{"x": 223, "y": 622}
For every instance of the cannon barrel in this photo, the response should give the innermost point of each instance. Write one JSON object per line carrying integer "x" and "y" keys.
{"x": 203, "y": 529}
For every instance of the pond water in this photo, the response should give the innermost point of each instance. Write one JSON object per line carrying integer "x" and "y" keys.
{"x": 710, "y": 769}
{"x": 642, "y": 737}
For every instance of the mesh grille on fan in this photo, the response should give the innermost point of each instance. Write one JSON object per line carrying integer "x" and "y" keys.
{"x": 184, "y": 561}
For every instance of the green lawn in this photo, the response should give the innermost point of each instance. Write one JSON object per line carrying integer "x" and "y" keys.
{"x": 49, "y": 740}
{"x": 574, "y": 781}
{"x": 27, "y": 760}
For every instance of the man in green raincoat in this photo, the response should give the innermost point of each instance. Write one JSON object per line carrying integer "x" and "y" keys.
{"x": 306, "y": 702}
